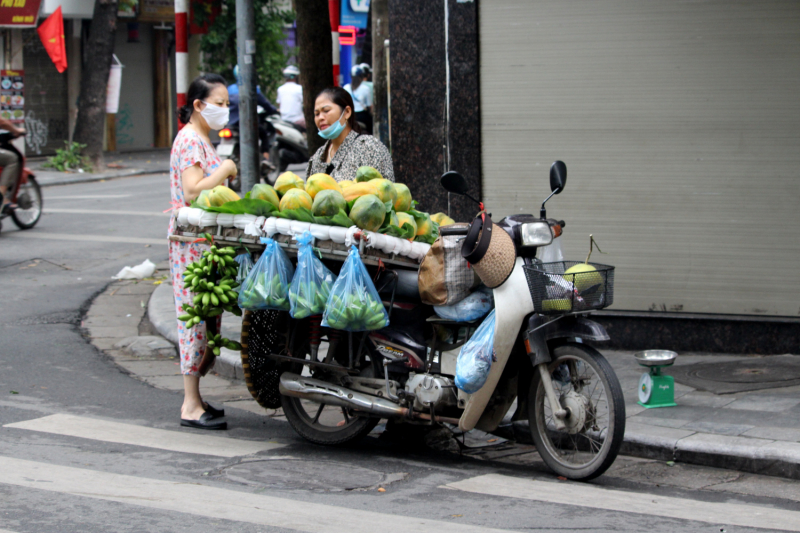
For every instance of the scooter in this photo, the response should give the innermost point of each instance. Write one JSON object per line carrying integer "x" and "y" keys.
{"x": 228, "y": 148}
{"x": 335, "y": 386}
{"x": 26, "y": 196}
{"x": 290, "y": 146}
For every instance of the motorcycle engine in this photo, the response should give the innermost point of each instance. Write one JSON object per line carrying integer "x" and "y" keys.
{"x": 429, "y": 389}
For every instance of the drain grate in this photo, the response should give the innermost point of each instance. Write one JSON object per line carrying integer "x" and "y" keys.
{"x": 740, "y": 376}
{"x": 307, "y": 475}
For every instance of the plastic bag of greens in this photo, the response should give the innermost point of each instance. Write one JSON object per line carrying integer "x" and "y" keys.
{"x": 476, "y": 356}
{"x": 267, "y": 284}
{"x": 354, "y": 304}
{"x": 312, "y": 281}
{"x": 245, "y": 261}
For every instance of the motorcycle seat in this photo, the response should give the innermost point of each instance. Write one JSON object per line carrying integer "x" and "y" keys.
{"x": 407, "y": 286}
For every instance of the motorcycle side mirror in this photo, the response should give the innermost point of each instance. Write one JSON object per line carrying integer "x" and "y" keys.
{"x": 558, "y": 179}
{"x": 454, "y": 182}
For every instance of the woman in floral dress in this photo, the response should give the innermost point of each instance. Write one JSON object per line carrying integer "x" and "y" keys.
{"x": 195, "y": 167}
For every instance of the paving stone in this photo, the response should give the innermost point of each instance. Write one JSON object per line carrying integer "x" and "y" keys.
{"x": 147, "y": 346}
{"x": 663, "y": 422}
{"x": 117, "y": 332}
{"x": 776, "y": 433}
{"x": 759, "y": 402}
{"x": 151, "y": 368}
{"x": 786, "y": 451}
{"x": 122, "y": 300}
{"x": 174, "y": 383}
{"x": 706, "y": 399}
{"x": 720, "y": 429}
{"x": 652, "y": 441}
{"x": 104, "y": 343}
{"x": 722, "y": 445}
{"x": 144, "y": 287}
{"x": 112, "y": 321}
{"x": 116, "y": 310}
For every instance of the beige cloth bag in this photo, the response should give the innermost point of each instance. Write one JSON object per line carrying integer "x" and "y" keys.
{"x": 444, "y": 276}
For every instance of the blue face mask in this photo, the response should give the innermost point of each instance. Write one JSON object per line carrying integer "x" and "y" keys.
{"x": 334, "y": 130}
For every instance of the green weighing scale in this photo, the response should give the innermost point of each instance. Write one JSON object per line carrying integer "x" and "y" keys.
{"x": 655, "y": 388}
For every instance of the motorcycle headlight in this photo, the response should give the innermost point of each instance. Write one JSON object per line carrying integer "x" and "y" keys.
{"x": 536, "y": 234}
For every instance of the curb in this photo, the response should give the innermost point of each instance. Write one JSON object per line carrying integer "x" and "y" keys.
{"x": 161, "y": 313}
{"x": 86, "y": 178}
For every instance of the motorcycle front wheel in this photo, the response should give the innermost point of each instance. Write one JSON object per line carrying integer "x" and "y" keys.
{"x": 328, "y": 425}
{"x": 29, "y": 205}
{"x": 595, "y": 425}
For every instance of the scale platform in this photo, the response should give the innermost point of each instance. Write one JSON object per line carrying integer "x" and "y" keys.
{"x": 655, "y": 388}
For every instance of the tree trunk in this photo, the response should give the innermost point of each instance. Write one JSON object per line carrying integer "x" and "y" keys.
{"x": 90, "y": 125}
{"x": 316, "y": 59}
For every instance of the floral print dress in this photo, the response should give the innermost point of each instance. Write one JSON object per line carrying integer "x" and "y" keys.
{"x": 187, "y": 150}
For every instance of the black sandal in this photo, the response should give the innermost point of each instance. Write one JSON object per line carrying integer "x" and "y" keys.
{"x": 214, "y": 412}
{"x": 206, "y": 421}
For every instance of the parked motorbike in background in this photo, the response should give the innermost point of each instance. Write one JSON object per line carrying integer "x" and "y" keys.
{"x": 285, "y": 145}
{"x": 335, "y": 386}
{"x": 26, "y": 196}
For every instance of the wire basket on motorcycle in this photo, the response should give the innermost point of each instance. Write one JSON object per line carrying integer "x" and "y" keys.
{"x": 570, "y": 286}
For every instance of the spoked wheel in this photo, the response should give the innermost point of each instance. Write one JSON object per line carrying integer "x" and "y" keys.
{"x": 590, "y": 392}
{"x": 29, "y": 205}
{"x": 328, "y": 424}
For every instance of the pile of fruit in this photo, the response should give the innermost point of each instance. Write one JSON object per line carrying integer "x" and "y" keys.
{"x": 212, "y": 281}
{"x": 370, "y": 202}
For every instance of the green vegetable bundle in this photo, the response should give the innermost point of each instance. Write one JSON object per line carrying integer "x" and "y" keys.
{"x": 354, "y": 303}
{"x": 312, "y": 281}
{"x": 267, "y": 284}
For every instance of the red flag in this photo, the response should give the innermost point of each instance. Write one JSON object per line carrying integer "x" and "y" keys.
{"x": 51, "y": 32}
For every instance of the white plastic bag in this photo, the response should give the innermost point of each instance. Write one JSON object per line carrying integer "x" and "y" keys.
{"x": 475, "y": 359}
{"x": 144, "y": 270}
{"x": 470, "y": 308}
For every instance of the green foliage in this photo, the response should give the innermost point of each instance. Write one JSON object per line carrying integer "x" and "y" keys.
{"x": 69, "y": 158}
{"x": 219, "y": 44}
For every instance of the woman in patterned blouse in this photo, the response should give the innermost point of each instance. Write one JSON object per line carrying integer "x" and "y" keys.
{"x": 341, "y": 156}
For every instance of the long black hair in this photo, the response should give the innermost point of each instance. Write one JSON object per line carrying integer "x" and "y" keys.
{"x": 343, "y": 99}
{"x": 199, "y": 89}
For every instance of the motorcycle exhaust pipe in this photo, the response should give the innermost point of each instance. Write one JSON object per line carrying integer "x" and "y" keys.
{"x": 329, "y": 394}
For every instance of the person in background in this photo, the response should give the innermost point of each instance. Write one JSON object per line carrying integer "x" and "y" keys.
{"x": 195, "y": 167}
{"x": 368, "y": 82}
{"x": 347, "y": 148}
{"x": 10, "y": 163}
{"x": 362, "y": 97}
{"x": 290, "y": 98}
{"x": 265, "y": 129}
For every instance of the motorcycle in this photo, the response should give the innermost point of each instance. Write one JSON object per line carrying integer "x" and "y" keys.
{"x": 26, "y": 194}
{"x": 285, "y": 145}
{"x": 335, "y": 386}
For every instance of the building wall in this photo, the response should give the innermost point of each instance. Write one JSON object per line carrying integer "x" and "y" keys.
{"x": 679, "y": 123}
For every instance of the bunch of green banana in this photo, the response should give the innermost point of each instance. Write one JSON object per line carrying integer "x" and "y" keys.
{"x": 212, "y": 281}
{"x": 218, "y": 341}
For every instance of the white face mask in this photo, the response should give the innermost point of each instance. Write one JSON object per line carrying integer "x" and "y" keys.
{"x": 216, "y": 116}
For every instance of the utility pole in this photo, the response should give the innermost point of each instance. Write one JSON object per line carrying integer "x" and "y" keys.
{"x": 380, "y": 33}
{"x": 249, "y": 155}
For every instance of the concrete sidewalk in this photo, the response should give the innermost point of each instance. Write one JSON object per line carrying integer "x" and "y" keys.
{"x": 752, "y": 431}
{"x": 119, "y": 166}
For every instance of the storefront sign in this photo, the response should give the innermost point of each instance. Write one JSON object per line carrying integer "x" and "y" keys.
{"x": 156, "y": 11}
{"x": 354, "y": 13}
{"x": 19, "y": 13}
{"x": 12, "y": 96}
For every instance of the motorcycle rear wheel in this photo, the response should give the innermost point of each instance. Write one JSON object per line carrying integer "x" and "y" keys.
{"x": 324, "y": 424}
{"x": 29, "y": 205}
{"x": 588, "y": 388}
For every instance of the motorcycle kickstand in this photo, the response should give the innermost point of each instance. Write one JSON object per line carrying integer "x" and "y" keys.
{"x": 559, "y": 413}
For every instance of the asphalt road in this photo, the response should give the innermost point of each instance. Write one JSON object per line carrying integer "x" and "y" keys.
{"x": 85, "y": 448}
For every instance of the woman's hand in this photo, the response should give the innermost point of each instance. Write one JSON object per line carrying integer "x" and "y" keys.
{"x": 230, "y": 168}
{"x": 194, "y": 183}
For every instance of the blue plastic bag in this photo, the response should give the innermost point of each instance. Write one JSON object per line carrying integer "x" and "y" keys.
{"x": 476, "y": 356}
{"x": 312, "y": 281}
{"x": 245, "y": 261}
{"x": 267, "y": 284}
{"x": 354, "y": 304}
{"x": 470, "y": 308}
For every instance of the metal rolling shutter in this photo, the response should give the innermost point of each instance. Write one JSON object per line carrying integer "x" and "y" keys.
{"x": 680, "y": 126}
{"x": 45, "y": 98}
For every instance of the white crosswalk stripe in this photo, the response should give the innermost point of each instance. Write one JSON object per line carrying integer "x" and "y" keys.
{"x": 582, "y": 495}
{"x": 71, "y": 211}
{"x": 117, "y": 432}
{"x": 213, "y": 502}
{"x": 118, "y": 239}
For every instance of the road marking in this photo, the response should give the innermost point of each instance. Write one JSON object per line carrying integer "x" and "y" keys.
{"x": 734, "y": 514}
{"x": 216, "y": 502}
{"x": 105, "y": 212}
{"x": 177, "y": 441}
{"x": 33, "y": 234}
{"x": 88, "y": 196}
